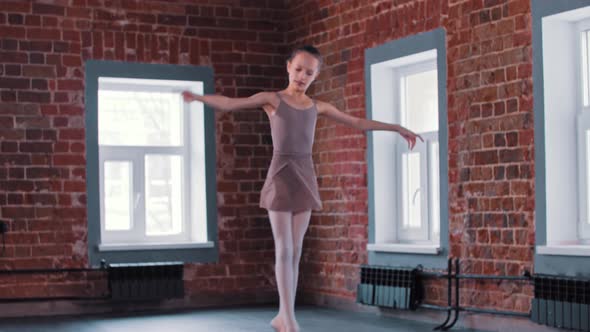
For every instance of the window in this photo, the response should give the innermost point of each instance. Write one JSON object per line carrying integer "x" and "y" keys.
{"x": 561, "y": 96}
{"x": 582, "y": 29}
{"x": 144, "y": 159}
{"x": 153, "y": 158}
{"x": 415, "y": 91}
{"x": 408, "y": 189}
{"x": 563, "y": 150}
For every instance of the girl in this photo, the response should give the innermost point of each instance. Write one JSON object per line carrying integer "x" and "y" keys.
{"x": 290, "y": 191}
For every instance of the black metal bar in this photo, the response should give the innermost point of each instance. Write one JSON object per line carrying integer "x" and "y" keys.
{"x": 457, "y": 299}
{"x": 475, "y": 276}
{"x": 56, "y": 298}
{"x": 476, "y": 310}
{"x": 484, "y": 277}
{"x": 449, "y": 284}
{"x": 496, "y": 312}
{"x": 33, "y": 271}
{"x": 433, "y": 307}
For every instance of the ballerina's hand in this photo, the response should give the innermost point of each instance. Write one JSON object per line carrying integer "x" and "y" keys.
{"x": 188, "y": 96}
{"x": 410, "y": 137}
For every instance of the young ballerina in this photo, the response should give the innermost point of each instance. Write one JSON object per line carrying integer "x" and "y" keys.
{"x": 290, "y": 191}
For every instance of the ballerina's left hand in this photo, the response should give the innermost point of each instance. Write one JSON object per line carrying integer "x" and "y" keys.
{"x": 410, "y": 137}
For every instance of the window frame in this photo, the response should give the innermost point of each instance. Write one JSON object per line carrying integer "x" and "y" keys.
{"x": 382, "y": 246}
{"x": 205, "y": 246}
{"x": 425, "y": 234}
{"x": 552, "y": 256}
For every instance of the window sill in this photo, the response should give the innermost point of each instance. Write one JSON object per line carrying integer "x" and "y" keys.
{"x": 426, "y": 249}
{"x": 564, "y": 250}
{"x": 153, "y": 246}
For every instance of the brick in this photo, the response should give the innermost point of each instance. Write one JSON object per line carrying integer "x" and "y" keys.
{"x": 16, "y": 6}
{"x": 74, "y": 186}
{"x": 15, "y": 32}
{"x": 15, "y": 19}
{"x": 36, "y": 58}
{"x": 17, "y": 212}
{"x": 70, "y": 85}
{"x": 34, "y": 97}
{"x": 15, "y": 83}
{"x": 39, "y": 8}
{"x": 10, "y": 147}
{"x": 516, "y": 7}
{"x": 71, "y": 134}
{"x": 40, "y": 172}
{"x": 486, "y": 158}
{"x": 48, "y": 21}
{"x": 36, "y": 147}
{"x": 38, "y": 71}
{"x": 69, "y": 160}
{"x": 43, "y": 34}
{"x": 13, "y": 57}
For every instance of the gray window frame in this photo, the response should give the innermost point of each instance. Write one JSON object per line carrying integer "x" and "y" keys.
{"x": 547, "y": 264}
{"x": 98, "y": 68}
{"x": 435, "y": 39}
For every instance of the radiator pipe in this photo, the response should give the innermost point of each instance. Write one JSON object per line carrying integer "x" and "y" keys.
{"x": 433, "y": 307}
{"x": 526, "y": 277}
{"x": 485, "y": 277}
{"x": 449, "y": 309}
{"x": 457, "y": 300}
{"x": 103, "y": 267}
{"x": 46, "y": 271}
{"x": 56, "y": 298}
{"x": 475, "y": 310}
{"x": 496, "y": 312}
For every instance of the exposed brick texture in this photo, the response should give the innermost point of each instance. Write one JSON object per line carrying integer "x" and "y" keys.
{"x": 43, "y": 46}
{"x": 491, "y": 170}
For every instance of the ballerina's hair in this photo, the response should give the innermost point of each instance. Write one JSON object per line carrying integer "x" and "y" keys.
{"x": 308, "y": 49}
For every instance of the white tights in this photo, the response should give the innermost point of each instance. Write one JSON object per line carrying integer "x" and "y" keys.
{"x": 288, "y": 229}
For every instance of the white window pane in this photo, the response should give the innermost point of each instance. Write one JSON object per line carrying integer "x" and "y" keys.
{"x": 434, "y": 188}
{"x": 585, "y": 65}
{"x": 588, "y": 175}
{"x": 163, "y": 190}
{"x": 139, "y": 118}
{"x": 419, "y": 97}
{"x": 412, "y": 211}
{"x": 117, "y": 195}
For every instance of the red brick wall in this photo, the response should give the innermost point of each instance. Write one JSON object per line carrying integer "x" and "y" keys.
{"x": 42, "y": 138}
{"x": 42, "y": 151}
{"x": 491, "y": 186}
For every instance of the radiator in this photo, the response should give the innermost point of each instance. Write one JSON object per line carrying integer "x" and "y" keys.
{"x": 561, "y": 302}
{"x": 390, "y": 287}
{"x": 146, "y": 281}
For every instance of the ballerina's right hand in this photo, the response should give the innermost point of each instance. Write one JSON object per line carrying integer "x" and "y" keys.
{"x": 188, "y": 96}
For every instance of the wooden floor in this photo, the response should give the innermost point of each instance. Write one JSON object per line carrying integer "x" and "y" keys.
{"x": 311, "y": 319}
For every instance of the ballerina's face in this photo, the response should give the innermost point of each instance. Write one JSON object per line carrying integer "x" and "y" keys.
{"x": 302, "y": 69}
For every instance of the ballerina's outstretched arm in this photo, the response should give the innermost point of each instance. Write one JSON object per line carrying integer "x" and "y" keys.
{"x": 328, "y": 110}
{"x": 227, "y": 104}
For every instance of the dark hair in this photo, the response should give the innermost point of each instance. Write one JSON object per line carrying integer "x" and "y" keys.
{"x": 308, "y": 49}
